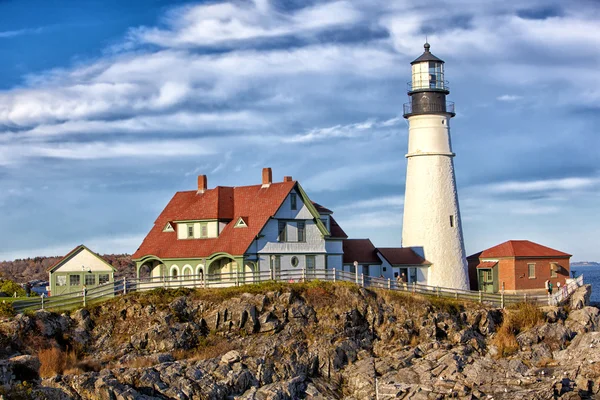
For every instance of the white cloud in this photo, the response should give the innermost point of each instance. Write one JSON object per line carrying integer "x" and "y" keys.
{"x": 573, "y": 183}
{"x": 228, "y": 22}
{"x": 342, "y": 131}
{"x": 509, "y": 97}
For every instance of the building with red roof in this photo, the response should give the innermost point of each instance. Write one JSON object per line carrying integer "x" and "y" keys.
{"x": 224, "y": 231}
{"x": 387, "y": 262}
{"x": 518, "y": 265}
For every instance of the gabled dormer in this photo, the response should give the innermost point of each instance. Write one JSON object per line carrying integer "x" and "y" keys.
{"x": 169, "y": 227}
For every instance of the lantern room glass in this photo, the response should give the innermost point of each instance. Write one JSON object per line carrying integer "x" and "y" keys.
{"x": 428, "y": 75}
{"x": 436, "y": 75}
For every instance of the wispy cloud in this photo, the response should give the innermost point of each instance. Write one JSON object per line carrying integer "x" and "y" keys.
{"x": 20, "y": 32}
{"x": 343, "y": 131}
{"x": 543, "y": 185}
{"x": 509, "y": 97}
{"x": 229, "y": 22}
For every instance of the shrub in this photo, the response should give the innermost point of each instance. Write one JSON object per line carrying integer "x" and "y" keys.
{"x": 10, "y": 288}
{"x": 6, "y": 309}
{"x": 54, "y": 361}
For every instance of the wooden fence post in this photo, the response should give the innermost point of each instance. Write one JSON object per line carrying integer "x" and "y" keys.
{"x": 237, "y": 277}
{"x": 334, "y": 277}
{"x": 303, "y": 274}
{"x": 414, "y": 287}
{"x": 84, "y": 295}
{"x": 362, "y": 280}
{"x": 480, "y": 297}
{"x": 43, "y": 300}
{"x": 389, "y": 283}
{"x": 125, "y": 285}
{"x": 502, "y": 300}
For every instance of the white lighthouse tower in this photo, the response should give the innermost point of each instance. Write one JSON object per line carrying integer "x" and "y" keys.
{"x": 432, "y": 224}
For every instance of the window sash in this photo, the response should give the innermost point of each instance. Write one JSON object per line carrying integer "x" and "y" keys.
{"x": 61, "y": 280}
{"x": 282, "y": 230}
{"x": 204, "y": 230}
{"x": 301, "y": 231}
{"x": 90, "y": 280}
{"x": 190, "y": 231}
{"x": 103, "y": 278}
{"x": 310, "y": 264}
{"x": 531, "y": 270}
{"x": 293, "y": 201}
{"x": 74, "y": 280}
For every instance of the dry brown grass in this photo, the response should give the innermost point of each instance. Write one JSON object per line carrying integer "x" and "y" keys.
{"x": 140, "y": 362}
{"x": 524, "y": 316}
{"x": 210, "y": 347}
{"x": 505, "y": 340}
{"x": 54, "y": 361}
{"x": 517, "y": 318}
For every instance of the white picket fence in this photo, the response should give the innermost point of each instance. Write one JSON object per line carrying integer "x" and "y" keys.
{"x": 200, "y": 282}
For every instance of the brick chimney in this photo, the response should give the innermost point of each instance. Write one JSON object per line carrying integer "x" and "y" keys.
{"x": 287, "y": 179}
{"x": 202, "y": 183}
{"x": 267, "y": 177}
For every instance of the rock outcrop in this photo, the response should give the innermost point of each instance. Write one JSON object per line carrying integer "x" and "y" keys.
{"x": 310, "y": 341}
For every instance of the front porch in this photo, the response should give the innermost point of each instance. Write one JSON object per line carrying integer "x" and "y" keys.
{"x": 218, "y": 270}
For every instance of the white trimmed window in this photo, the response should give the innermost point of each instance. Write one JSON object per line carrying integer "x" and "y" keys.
{"x": 204, "y": 230}
{"x": 74, "y": 280}
{"x": 190, "y": 231}
{"x": 103, "y": 278}
{"x": 301, "y": 231}
{"x": 310, "y": 264}
{"x": 61, "y": 280}
{"x": 531, "y": 270}
{"x": 90, "y": 280}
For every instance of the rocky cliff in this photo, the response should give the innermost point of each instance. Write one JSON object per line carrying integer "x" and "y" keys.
{"x": 300, "y": 341}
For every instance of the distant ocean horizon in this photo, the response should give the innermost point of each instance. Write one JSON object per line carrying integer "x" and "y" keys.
{"x": 591, "y": 276}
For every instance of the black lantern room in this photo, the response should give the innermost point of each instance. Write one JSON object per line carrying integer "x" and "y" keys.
{"x": 428, "y": 89}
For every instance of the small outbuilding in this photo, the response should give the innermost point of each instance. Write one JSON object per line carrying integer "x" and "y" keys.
{"x": 80, "y": 267}
{"x": 518, "y": 266}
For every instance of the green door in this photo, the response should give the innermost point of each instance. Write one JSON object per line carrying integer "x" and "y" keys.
{"x": 486, "y": 280}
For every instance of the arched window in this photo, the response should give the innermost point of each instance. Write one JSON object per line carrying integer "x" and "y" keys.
{"x": 174, "y": 272}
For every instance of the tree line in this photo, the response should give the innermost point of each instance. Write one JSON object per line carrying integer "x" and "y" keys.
{"x": 28, "y": 269}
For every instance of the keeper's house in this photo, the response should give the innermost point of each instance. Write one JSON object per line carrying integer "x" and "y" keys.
{"x": 232, "y": 232}
{"x": 519, "y": 265}
{"x": 79, "y": 267}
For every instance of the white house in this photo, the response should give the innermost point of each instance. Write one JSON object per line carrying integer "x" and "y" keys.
{"x": 80, "y": 267}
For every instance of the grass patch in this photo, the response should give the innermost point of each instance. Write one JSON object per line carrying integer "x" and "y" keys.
{"x": 517, "y": 318}
{"x": 54, "y": 361}
{"x": 416, "y": 302}
{"x": 208, "y": 347}
{"x": 6, "y": 310}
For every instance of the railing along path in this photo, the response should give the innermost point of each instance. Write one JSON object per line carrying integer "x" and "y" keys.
{"x": 123, "y": 286}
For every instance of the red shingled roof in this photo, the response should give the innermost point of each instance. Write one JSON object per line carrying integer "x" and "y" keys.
{"x": 520, "y": 248}
{"x": 255, "y": 203}
{"x": 361, "y": 250}
{"x": 402, "y": 256}
{"x": 487, "y": 264}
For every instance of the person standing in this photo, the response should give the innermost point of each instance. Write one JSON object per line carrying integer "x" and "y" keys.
{"x": 549, "y": 288}
{"x": 404, "y": 280}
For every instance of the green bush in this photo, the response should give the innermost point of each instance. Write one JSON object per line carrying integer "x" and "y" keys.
{"x": 10, "y": 287}
{"x": 6, "y": 309}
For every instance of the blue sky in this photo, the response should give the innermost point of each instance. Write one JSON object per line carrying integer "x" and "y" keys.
{"x": 109, "y": 107}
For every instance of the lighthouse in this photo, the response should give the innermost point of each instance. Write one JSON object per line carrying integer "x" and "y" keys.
{"x": 432, "y": 224}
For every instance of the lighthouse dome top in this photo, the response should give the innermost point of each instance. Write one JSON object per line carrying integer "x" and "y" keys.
{"x": 427, "y": 56}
